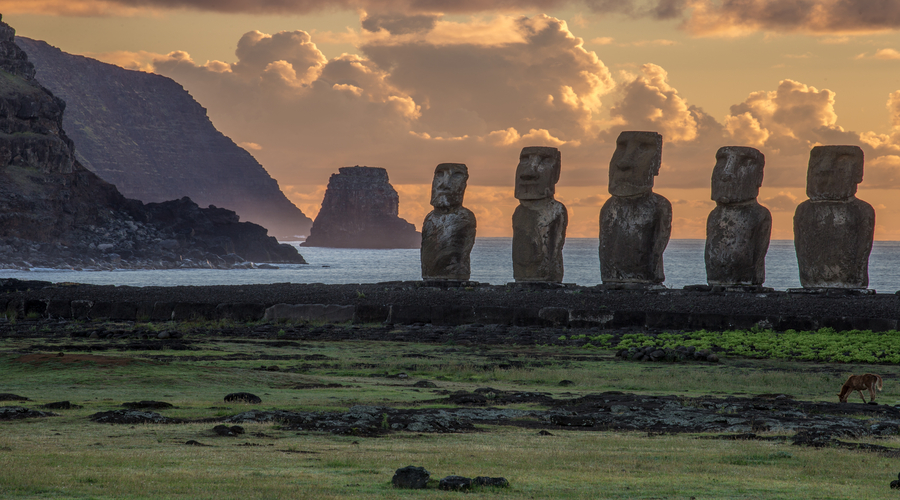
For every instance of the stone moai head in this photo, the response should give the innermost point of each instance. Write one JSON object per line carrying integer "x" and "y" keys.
{"x": 449, "y": 185}
{"x": 537, "y": 173}
{"x": 635, "y": 163}
{"x": 738, "y": 174}
{"x": 834, "y": 172}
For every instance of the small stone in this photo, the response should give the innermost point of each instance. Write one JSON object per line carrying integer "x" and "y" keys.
{"x": 497, "y": 482}
{"x": 163, "y": 335}
{"x": 545, "y": 433}
{"x": 243, "y": 397}
{"x": 411, "y": 477}
{"x": 455, "y": 483}
{"x": 566, "y": 383}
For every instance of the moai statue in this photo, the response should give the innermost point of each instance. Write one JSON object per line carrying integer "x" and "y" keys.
{"x": 635, "y": 222}
{"x": 738, "y": 229}
{"x": 833, "y": 229}
{"x": 539, "y": 222}
{"x": 448, "y": 232}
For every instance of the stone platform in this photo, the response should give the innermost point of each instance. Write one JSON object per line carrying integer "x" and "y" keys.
{"x": 472, "y": 304}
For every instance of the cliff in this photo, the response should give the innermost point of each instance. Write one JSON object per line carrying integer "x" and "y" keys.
{"x": 360, "y": 210}
{"x": 56, "y": 213}
{"x": 147, "y": 135}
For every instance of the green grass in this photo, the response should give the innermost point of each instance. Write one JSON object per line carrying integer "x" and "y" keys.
{"x": 71, "y": 457}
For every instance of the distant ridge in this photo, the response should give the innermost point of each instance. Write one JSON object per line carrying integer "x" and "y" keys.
{"x": 145, "y": 133}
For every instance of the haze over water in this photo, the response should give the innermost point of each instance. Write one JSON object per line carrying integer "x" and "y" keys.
{"x": 491, "y": 263}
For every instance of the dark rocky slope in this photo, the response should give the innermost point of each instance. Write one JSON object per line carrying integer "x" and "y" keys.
{"x": 147, "y": 135}
{"x": 56, "y": 213}
{"x": 360, "y": 210}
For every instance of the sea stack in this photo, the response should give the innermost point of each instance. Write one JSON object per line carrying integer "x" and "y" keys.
{"x": 360, "y": 210}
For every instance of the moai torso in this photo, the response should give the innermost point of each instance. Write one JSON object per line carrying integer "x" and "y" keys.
{"x": 737, "y": 239}
{"x": 634, "y": 232}
{"x": 635, "y": 222}
{"x": 833, "y": 230}
{"x": 739, "y": 228}
{"x": 448, "y": 232}
{"x": 539, "y": 222}
{"x": 447, "y": 240}
{"x": 833, "y": 240}
{"x": 539, "y": 233}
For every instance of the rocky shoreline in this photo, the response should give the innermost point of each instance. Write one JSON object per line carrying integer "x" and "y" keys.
{"x": 473, "y": 304}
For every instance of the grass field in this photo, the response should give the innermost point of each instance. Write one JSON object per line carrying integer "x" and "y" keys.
{"x": 70, "y": 456}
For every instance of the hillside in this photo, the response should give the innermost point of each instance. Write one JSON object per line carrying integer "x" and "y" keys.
{"x": 145, "y": 134}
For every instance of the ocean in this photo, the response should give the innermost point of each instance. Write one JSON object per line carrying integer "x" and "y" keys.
{"x": 491, "y": 263}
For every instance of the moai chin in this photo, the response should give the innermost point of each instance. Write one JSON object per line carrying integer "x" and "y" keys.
{"x": 834, "y": 230}
{"x": 739, "y": 228}
{"x": 635, "y": 222}
{"x": 539, "y": 222}
{"x": 448, "y": 232}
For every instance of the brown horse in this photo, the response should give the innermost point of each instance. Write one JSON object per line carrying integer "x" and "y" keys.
{"x": 868, "y": 381}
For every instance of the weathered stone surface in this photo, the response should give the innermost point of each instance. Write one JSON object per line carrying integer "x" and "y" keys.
{"x": 411, "y": 477}
{"x": 834, "y": 230}
{"x": 448, "y": 232}
{"x": 455, "y": 483}
{"x": 635, "y": 222}
{"x": 171, "y": 151}
{"x": 738, "y": 229}
{"x": 360, "y": 210}
{"x": 539, "y": 222}
{"x": 328, "y": 313}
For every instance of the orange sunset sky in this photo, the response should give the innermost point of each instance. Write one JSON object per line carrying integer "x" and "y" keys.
{"x": 308, "y": 86}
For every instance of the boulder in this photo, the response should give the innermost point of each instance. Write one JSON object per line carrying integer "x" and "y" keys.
{"x": 411, "y": 477}
{"x": 243, "y": 397}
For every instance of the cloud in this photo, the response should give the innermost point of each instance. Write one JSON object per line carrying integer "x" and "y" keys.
{"x": 650, "y": 103}
{"x": 740, "y": 17}
{"x": 399, "y": 24}
{"x": 543, "y": 79}
{"x": 790, "y": 119}
{"x": 784, "y": 201}
{"x": 883, "y": 54}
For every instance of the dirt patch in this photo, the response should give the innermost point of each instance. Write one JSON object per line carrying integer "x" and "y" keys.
{"x": 38, "y": 359}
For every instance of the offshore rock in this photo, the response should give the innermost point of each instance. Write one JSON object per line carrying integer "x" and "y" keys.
{"x": 360, "y": 210}
{"x": 738, "y": 229}
{"x": 448, "y": 232}
{"x": 145, "y": 134}
{"x": 56, "y": 213}
{"x": 539, "y": 222}
{"x": 834, "y": 230}
{"x": 635, "y": 222}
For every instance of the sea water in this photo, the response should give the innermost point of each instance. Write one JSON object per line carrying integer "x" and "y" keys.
{"x": 491, "y": 263}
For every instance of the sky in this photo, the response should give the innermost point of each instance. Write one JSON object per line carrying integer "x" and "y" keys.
{"x": 309, "y": 86}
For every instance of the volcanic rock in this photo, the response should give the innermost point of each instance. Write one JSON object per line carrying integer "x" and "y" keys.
{"x": 360, "y": 210}
{"x": 455, "y": 483}
{"x": 243, "y": 397}
{"x": 411, "y": 477}
{"x": 172, "y": 151}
